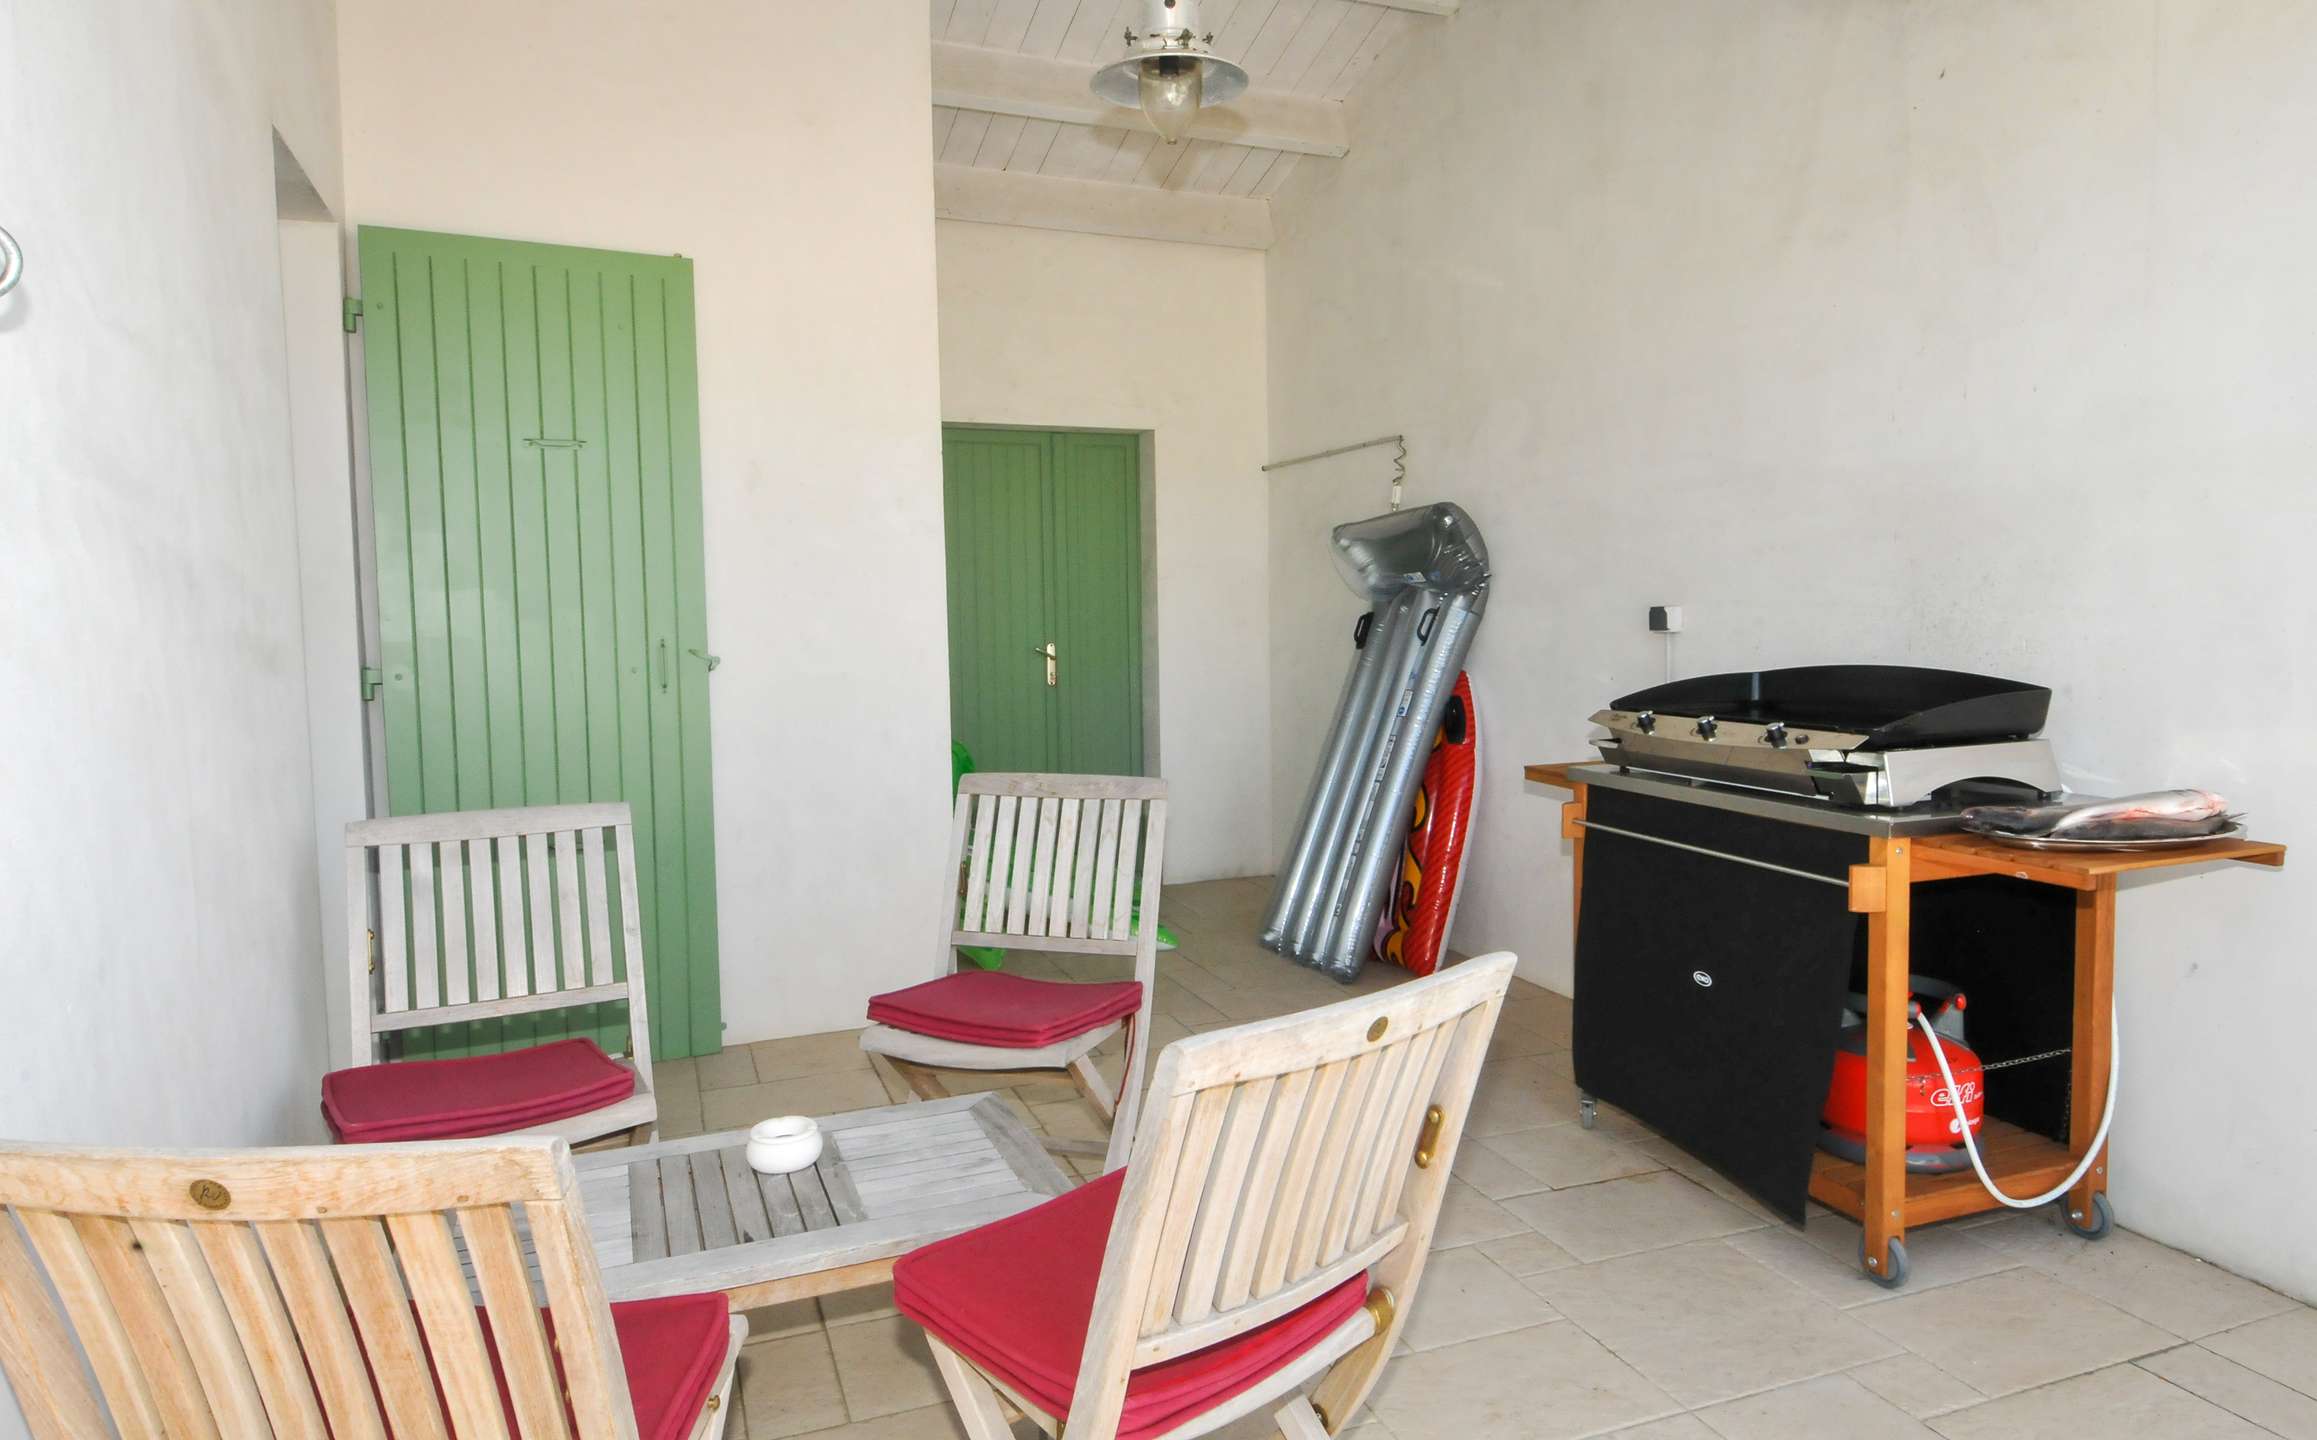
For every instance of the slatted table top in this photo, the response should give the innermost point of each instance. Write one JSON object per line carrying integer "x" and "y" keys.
{"x": 682, "y": 1216}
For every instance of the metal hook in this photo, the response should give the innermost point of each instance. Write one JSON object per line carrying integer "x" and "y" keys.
{"x": 1399, "y": 469}
{"x": 11, "y": 262}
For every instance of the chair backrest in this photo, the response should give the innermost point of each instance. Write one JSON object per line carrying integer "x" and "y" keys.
{"x": 1280, "y": 1159}
{"x": 264, "y": 1292}
{"x": 484, "y": 914}
{"x": 1053, "y": 862}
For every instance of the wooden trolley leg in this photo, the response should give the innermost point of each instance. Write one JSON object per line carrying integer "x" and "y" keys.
{"x": 1887, "y": 950}
{"x": 2095, "y": 1002}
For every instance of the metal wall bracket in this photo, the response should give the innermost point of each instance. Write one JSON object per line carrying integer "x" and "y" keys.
{"x": 352, "y": 315}
{"x": 373, "y": 681}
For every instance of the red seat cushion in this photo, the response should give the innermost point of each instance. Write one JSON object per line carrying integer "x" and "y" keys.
{"x": 473, "y": 1095}
{"x": 991, "y": 1007}
{"x": 1015, "y": 1297}
{"x": 671, "y": 1348}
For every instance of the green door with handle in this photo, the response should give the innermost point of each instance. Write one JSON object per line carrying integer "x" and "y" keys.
{"x": 535, "y": 483}
{"x": 1044, "y": 531}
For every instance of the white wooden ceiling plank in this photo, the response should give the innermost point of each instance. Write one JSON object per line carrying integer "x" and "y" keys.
{"x": 1096, "y": 31}
{"x": 1319, "y": 27}
{"x": 943, "y": 118}
{"x": 1003, "y": 197}
{"x": 1247, "y": 22}
{"x": 998, "y": 143}
{"x": 1216, "y": 170}
{"x": 1276, "y": 176}
{"x": 1272, "y": 40}
{"x": 1009, "y": 23}
{"x": 1333, "y": 56}
{"x": 969, "y": 23}
{"x": 1250, "y": 172}
{"x": 1132, "y": 151}
{"x": 1190, "y": 158}
{"x": 1081, "y": 151}
{"x": 941, "y": 10}
{"x": 965, "y": 137}
{"x": 1049, "y": 27}
{"x": 1387, "y": 33}
{"x": 1030, "y": 152}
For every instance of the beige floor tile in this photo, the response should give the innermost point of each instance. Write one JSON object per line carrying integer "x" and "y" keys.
{"x": 1831, "y": 1407}
{"x": 774, "y": 1322}
{"x": 1706, "y": 1323}
{"x": 931, "y": 1422}
{"x": 1568, "y": 1154}
{"x": 1177, "y": 1002}
{"x": 885, "y": 1367}
{"x": 2122, "y": 1400}
{"x": 2159, "y": 1284}
{"x": 2012, "y": 1331}
{"x": 1916, "y": 1385}
{"x": 1822, "y": 1258}
{"x": 2282, "y": 1347}
{"x": 740, "y": 1108}
{"x": 1619, "y": 1217}
{"x": 1546, "y": 1383}
{"x": 833, "y": 1052}
{"x": 725, "y": 1069}
{"x": 1464, "y": 1296}
{"x": 1468, "y": 1217}
{"x": 789, "y": 1387}
{"x": 1490, "y": 1173}
{"x": 851, "y": 1307}
{"x": 1526, "y": 1254}
{"x": 1513, "y": 1040}
{"x": 1672, "y": 1427}
{"x": 1691, "y": 1168}
{"x": 676, "y": 1077}
{"x": 1071, "y": 1120}
{"x": 2240, "y": 1391}
{"x": 1520, "y": 1095}
{"x": 680, "y": 1116}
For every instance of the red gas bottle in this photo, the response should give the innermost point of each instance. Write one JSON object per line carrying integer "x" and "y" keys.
{"x": 1933, "y": 1144}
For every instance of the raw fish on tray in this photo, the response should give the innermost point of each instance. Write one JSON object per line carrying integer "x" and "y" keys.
{"x": 2153, "y": 814}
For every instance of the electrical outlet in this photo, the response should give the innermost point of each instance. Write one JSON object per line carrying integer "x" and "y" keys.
{"x": 1665, "y": 619}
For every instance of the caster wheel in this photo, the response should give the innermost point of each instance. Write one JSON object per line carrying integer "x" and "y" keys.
{"x": 2103, "y": 1219}
{"x": 1894, "y": 1271}
{"x": 1585, "y": 1113}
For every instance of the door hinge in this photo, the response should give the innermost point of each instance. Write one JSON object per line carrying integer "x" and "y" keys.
{"x": 352, "y": 314}
{"x": 373, "y": 680}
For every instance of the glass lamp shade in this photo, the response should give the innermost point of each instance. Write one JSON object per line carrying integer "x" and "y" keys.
{"x": 1173, "y": 87}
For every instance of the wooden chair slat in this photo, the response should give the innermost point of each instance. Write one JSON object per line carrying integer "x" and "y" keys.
{"x": 1188, "y": 1183}
{"x": 563, "y": 860}
{"x": 1018, "y": 877}
{"x": 1042, "y": 868}
{"x": 595, "y": 878}
{"x": 268, "y": 1340}
{"x": 632, "y": 971}
{"x": 152, "y": 1330}
{"x": 37, "y": 1343}
{"x": 1082, "y": 878}
{"x": 514, "y": 950}
{"x": 325, "y": 1328}
{"x": 446, "y": 1312}
{"x": 387, "y": 1328}
{"x": 451, "y": 885}
{"x": 1264, "y": 1171}
{"x": 425, "y": 951}
{"x": 363, "y": 999}
{"x": 1105, "y": 873}
{"x": 393, "y": 940}
{"x": 1367, "y": 1136}
{"x": 1220, "y": 1212}
{"x": 1065, "y": 855}
{"x": 504, "y": 1277}
{"x": 211, "y": 1342}
{"x": 1294, "y": 1190}
{"x": 1328, "y": 1165}
{"x": 593, "y": 1376}
{"x": 540, "y": 893}
{"x": 1001, "y": 864}
{"x": 984, "y": 809}
{"x": 1129, "y": 845}
{"x": 483, "y": 885}
{"x": 1448, "y": 1059}
{"x": 1402, "y": 1122}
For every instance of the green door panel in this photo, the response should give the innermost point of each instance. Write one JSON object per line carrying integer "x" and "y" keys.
{"x": 1044, "y": 533}
{"x": 535, "y": 479}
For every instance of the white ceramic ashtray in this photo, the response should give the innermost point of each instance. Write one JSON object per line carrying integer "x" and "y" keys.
{"x": 783, "y": 1144}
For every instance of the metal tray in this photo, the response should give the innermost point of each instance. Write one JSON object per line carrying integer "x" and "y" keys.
{"x": 2161, "y": 842}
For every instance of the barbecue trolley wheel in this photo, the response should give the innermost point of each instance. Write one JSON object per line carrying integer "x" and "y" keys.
{"x": 1895, "y": 1269}
{"x": 2103, "y": 1219}
{"x": 1585, "y": 1112}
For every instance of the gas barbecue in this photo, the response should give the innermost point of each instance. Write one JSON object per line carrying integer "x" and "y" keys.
{"x": 1858, "y": 736}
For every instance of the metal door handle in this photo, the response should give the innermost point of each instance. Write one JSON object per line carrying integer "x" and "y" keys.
{"x": 1047, "y": 650}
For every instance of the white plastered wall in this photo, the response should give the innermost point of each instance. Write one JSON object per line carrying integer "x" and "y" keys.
{"x": 803, "y": 193}
{"x": 1974, "y": 335}
{"x": 1054, "y": 329}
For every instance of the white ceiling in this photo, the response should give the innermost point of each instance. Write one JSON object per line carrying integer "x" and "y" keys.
{"x": 1318, "y": 50}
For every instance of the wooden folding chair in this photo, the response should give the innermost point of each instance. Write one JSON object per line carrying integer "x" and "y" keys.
{"x": 1271, "y": 1226}
{"x": 487, "y": 915}
{"x": 424, "y": 1290}
{"x": 1048, "y": 863}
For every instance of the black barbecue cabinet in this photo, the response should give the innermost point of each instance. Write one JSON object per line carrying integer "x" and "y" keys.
{"x": 1715, "y": 945}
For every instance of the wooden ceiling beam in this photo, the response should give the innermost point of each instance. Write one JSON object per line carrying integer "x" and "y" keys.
{"x": 1091, "y": 207}
{"x": 1004, "y": 82}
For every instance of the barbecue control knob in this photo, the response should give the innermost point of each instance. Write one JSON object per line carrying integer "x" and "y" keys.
{"x": 1774, "y": 734}
{"x": 1705, "y": 727}
{"x": 1646, "y": 722}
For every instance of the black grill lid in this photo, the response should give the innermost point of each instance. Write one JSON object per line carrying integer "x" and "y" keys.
{"x": 1895, "y": 706}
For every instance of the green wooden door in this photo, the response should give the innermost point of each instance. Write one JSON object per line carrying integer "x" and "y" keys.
{"x": 1045, "y": 548}
{"x": 535, "y": 480}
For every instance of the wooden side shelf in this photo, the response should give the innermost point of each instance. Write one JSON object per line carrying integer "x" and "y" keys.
{"x": 2022, "y": 1162}
{"x": 1947, "y": 857}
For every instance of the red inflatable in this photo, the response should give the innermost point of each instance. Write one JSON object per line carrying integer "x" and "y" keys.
{"x": 1414, "y": 932}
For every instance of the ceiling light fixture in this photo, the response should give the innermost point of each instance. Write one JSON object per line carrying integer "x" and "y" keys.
{"x": 1171, "y": 72}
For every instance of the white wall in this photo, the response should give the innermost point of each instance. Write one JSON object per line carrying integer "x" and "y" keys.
{"x": 161, "y": 970}
{"x": 803, "y": 192}
{"x": 1047, "y": 328}
{"x": 1970, "y": 334}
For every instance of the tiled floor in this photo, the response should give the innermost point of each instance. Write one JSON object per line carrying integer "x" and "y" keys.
{"x": 1596, "y": 1282}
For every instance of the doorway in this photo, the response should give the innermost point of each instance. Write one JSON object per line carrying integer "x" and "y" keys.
{"x": 1045, "y": 548}
{"x": 535, "y": 486}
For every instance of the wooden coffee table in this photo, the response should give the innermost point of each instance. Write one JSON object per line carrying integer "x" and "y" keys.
{"x": 682, "y": 1216}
